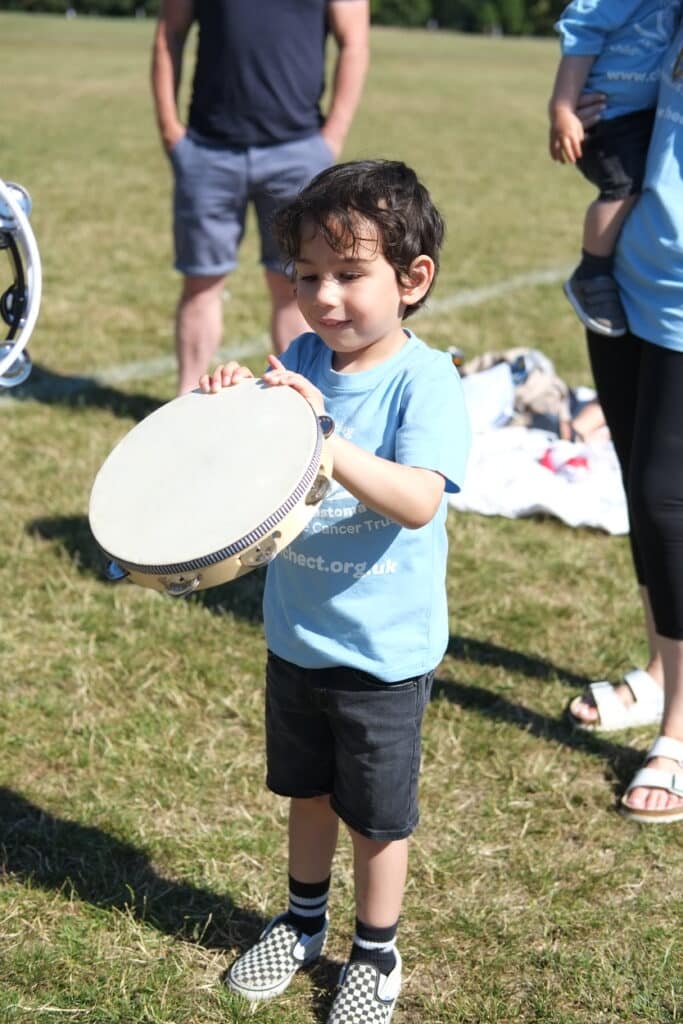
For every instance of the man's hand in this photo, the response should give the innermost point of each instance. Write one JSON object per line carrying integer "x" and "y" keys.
{"x": 335, "y": 143}
{"x": 172, "y": 136}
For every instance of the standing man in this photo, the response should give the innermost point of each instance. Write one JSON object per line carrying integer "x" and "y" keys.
{"x": 255, "y": 133}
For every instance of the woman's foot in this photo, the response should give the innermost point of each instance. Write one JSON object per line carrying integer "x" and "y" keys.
{"x": 647, "y": 798}
{"x": 656, "y": 792}
{"x": 636, "y": 701}
{"x": 585, "y": 710}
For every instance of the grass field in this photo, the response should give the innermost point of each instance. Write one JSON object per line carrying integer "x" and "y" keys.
{"x": 139, "y": 849}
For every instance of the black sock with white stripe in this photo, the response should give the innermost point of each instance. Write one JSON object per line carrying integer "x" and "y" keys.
{"x": 307, "y": 905}
{"x": 374, "y": 946}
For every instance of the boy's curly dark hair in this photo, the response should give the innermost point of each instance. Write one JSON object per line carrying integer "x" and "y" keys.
{"x": 384, "y": 193}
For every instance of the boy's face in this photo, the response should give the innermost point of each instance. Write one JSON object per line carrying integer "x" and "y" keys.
{"x": 351, "y": 298}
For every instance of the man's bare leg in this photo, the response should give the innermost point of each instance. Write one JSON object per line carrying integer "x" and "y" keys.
{"x": 199, "y": 328}
{"x": 286, "y": 321}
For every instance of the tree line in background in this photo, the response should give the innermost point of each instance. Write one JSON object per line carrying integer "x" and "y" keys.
{"x": 507, "y": 17}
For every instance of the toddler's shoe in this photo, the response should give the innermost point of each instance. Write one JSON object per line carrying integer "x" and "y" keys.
{"x": 597, "y": 304}
{"x": 266, "y": 969}
{"x": 365, "y": 996}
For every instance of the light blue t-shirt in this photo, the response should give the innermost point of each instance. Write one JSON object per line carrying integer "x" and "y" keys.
{"x": 649, "y": 257}
{"x": 355, "y": 588}
{"x": 628, "y": 39}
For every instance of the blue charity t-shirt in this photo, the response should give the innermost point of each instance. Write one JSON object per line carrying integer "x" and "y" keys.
{"x": 355, "y": 588}
{"x": 628, "y": 39}
{"x": 649, "y": 256}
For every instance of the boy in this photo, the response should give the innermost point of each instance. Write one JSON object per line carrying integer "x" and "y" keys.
{"x": 356, "y": 627}
{"x": 614, "y": 48}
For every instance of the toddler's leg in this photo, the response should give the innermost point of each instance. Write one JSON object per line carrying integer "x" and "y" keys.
{"x": 380, "y": 871}
{"x": 296, "y": 938}
{"x": 313, "y": 831}
{"x": 602, "y": 224}
{"x": 371, "y": 980}
{"x": 591, "y": 289}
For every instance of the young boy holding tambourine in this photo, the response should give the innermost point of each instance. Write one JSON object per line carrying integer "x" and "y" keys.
{"x": 355, "y": 608}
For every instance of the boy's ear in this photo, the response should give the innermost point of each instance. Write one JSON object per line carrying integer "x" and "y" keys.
{"x": 420, "y": 276}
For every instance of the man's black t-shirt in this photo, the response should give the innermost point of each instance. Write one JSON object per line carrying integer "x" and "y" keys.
{"x": 260, "y": 69}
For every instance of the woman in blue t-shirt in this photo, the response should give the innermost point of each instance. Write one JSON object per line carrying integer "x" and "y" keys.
{"x": 639, "y": 378}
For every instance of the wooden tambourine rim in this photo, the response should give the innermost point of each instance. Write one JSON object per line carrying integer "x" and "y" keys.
{"x": 245, "y": 542}
{"x": 181, "y": 569}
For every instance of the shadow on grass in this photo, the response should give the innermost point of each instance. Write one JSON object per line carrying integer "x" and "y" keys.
{"x": 52, "y": 388}
{"x": 73, "y": 535}
{"x": 55, "y": 853}
{"x": 622, "y": 759}
{"x": 242, "y": 597}
{"x": 325, "y": 976}
{"x": 482, "y": 652}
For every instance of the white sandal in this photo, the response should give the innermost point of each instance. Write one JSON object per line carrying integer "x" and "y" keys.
{"x": 647, "y": 707}
{"x": 658, "y": 778}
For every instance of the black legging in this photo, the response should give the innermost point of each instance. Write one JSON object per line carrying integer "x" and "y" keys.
{"x": 640, "y": 387}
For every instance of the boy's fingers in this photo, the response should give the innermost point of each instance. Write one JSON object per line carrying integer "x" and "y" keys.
{"x": 228, "y": 372}
{"x": 279, "y": 377}
{"x": 223, "y": 377}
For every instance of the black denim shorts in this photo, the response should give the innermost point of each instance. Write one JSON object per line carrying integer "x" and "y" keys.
{"x": 342, "y": 732}
{"x": 615, "y": 152}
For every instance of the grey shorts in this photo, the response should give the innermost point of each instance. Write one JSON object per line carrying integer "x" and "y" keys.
{"x": 341, "y": 732}
{"x": 213, "y": 186}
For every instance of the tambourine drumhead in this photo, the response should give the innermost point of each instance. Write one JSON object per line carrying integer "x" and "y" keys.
{"x": 209, "y": 486}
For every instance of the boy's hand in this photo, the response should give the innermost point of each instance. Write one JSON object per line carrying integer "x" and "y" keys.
{"x": 566, "y": 135}
{"x": 279, "y": 375}
{"x": 224, "y": 376}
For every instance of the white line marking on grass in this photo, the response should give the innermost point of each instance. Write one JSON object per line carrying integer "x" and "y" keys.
{"x": 151, "y": 369}
{"x": 477, "y": 296}
{"x": 54, "y": 387}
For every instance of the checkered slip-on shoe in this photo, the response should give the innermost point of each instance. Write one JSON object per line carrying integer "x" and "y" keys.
{"x": 266, "y": 969}
{"x": 365, "y": 996}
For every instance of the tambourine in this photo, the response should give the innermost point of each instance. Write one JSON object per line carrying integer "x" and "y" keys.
{"x": 20, "y": 302}
{"x": 211, "y": 486}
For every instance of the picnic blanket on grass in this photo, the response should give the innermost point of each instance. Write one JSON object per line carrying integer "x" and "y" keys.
{"x": 518, "y": 469}
{"x": 505, "y": 477}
